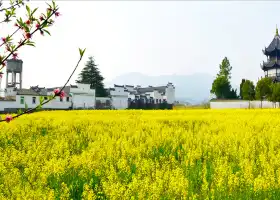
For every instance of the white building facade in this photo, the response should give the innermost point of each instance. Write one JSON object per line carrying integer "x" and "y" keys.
{"x": 78, "y": 96}
{"x": 122, "y": 94}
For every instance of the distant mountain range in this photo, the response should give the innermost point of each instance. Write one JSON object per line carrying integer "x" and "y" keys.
{"x": 192, "y": 89}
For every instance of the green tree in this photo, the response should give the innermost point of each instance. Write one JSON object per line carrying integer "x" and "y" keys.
{"x": 248, "y": 90}
{"x": 221, "y": 86}
{"x": 90, "y": 74}
{"x": 225, "y": 68}
{"x": 275, "y": 96}
{"x": 232, "y": 94}
{"x": 240, "y": 88}
{"x": 264, "y": 89}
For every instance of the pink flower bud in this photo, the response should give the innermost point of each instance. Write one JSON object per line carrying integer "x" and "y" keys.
{"x": 15, "y": 56}
{"x": 3, "y": 39}
{"x": 57, "y": 14}
{"x": 37, "y": 25}
{"x": 9, "y": 118}
{"x": 62, "y": 94}
{"x": 28, "y": 22}
{"x": 57, "y": 92}
{"x": 27, "y": 35}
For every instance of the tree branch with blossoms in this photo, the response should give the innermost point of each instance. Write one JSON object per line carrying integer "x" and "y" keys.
{"x": 57, "y": 92}
{"x": 43, "y": 22}
{"x": 10, "y": 11}
{"x": 27, "y": 26}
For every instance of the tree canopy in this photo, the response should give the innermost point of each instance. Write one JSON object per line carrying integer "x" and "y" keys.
{"x": 264, "y": 89}
{"x": 240, "y": 88}
{"x": 221, "y": 86}
{"x": 248, "y": 90}
{"x": 225, "y": 68}
{"x": 275, "y": 95}
{"x": 90, "y": 74}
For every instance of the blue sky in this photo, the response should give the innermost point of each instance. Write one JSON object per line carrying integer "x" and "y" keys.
{"x": 152, "y": 37}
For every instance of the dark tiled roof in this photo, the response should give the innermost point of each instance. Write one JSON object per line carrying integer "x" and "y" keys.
{"x": 271, "y": 64}
{"x": 118, "y": 85}
{"x": 129, "y": 86}
{"x": 31, "y": 92}
{"x": 274, "y": 45}
{"x": 66, "y": 90}
{"x": 160, "y": 89}
{"x": 73, "y": 86}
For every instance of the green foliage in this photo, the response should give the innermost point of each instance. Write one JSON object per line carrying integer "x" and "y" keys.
{"x": 264, "y": 89}
{"x": 91, "y": 75}
{"x": 225, "y": 68}
{"x": 221, "y": 86}
{"x": 240, "y": 88}
{"x": 275, "y": 96}
{"x": 19, "y": 112}
{"x": 248, "y": 90}
{"x": 82, "y": 52}
{"x": 233, "y": 94}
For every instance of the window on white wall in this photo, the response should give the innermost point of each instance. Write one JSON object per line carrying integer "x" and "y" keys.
{"x": 34, "y": 100}
{"x": 21, "y": 100}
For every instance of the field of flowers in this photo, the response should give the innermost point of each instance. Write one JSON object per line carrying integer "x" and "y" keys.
{"x": 179, "y": 154}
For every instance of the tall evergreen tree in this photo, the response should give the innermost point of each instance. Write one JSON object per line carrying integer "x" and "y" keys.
{"x": 90, "y": 74}
{"x": 225, "y": 69}
{"x": 240, "y": 88}
{"x": 221, "y": 86}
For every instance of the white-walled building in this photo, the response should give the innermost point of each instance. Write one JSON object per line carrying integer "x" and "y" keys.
{"x": 78, "y": 96}
{"x": 122, "y": 94}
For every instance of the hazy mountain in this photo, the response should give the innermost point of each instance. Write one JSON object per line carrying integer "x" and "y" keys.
{"x": 189, "y": 88}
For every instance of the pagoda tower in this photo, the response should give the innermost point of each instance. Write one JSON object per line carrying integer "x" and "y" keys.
{"x": 271, "y": 67}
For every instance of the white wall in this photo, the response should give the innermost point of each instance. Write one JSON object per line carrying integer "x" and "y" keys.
{"x": 10, "y": 91}
{"x": 240, "y": 104}
{"x": 119, "y": 98}
{"x": 119, "y": 102}
{"x": 6, "y": 104}
{"x": 170, "y": 94}
{"x": 83, "y": 101}
{"x": 54, "y": 104}
{"x": 83, "y": 88}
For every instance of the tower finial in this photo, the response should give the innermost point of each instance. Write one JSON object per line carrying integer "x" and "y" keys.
{"x": 276, "y": 31}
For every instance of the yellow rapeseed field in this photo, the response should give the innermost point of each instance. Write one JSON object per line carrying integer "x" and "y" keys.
{"x": 179, "y": 154}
